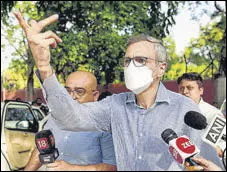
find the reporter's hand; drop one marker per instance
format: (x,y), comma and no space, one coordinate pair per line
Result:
(204,165)
(40,42)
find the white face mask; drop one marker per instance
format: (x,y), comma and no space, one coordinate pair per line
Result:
(137,79)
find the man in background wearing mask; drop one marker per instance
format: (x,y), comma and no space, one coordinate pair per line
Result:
(136,119)
(79,151)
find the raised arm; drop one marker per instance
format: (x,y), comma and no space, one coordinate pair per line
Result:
(40,42)
(69,114)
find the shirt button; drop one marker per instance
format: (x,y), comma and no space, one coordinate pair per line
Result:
(140,157)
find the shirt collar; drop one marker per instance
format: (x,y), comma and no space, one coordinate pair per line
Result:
(131,98)
(201,100)
(162,95)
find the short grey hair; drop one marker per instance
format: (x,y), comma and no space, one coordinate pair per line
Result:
(160,49)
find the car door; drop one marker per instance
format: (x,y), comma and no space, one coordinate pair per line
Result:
(40,116)
(18,133)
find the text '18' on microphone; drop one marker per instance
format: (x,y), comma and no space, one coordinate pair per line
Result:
(181,148)
(45,144)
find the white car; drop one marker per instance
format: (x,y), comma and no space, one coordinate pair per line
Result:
(20,121)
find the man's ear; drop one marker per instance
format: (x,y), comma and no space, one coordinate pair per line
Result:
(96,95)
(162,69)
(201,91)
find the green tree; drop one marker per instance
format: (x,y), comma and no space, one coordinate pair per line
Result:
(208,52)
(95,33)
(176,66)
(205,52)
(6,7)
(17,40)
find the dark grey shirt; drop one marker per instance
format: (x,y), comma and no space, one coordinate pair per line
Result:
(136,131)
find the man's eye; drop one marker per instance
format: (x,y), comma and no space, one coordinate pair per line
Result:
(140,60)
(127,60)
(79,91)
(190,88)
(181,89)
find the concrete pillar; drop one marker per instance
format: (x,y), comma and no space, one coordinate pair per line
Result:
(219,90)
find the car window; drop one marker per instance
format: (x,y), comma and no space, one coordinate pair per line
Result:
(38,114)
(20,117)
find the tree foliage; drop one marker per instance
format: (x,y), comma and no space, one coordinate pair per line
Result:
(16,38)
(6,7)
(205,54)
(95,33)
(209,50)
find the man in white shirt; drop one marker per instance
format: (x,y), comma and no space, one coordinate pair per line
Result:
(191,85)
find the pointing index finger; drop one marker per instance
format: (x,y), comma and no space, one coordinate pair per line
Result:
(21,20)
(45,22)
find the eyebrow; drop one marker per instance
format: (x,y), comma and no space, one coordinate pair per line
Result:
(76,88)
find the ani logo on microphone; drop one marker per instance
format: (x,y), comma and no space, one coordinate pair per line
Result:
(216,130)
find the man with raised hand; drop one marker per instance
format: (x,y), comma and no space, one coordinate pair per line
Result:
(136,119)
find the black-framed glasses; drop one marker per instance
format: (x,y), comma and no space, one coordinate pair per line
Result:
(138,61)
(77,91)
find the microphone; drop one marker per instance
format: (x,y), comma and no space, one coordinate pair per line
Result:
(181,148)
(195,120)
(215,133)
(45,144)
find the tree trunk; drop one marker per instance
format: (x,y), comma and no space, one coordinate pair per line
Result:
(186,64)
(109,76)
(30,81)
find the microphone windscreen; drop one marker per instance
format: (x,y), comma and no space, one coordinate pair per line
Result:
(45,142)
(168,135)
(195,120)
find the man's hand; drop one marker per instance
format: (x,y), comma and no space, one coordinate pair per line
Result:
(40,42)
(60,165)
(204,165)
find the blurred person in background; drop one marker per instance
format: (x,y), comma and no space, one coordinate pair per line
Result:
(191,85)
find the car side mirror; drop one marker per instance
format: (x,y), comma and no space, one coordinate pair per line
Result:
(22,125)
